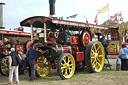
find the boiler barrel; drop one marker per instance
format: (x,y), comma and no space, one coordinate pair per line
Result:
(60,49)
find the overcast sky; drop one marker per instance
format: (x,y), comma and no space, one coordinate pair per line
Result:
(18,10)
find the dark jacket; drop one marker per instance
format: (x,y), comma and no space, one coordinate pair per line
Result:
(14,56)
(32,54)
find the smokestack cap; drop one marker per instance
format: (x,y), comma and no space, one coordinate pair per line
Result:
(2,3)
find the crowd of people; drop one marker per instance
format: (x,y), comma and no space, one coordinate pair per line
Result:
(122,60)
(15,60)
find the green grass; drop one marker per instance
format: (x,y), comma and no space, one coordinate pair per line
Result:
(81,77)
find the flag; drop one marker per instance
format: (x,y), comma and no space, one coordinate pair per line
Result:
(19,29)
(112,17)
(95,21)
(61,18)
(86,21)
(16,29)
(73,16)
(121,18)
(116,16)
(104,9)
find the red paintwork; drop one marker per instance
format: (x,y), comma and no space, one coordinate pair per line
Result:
(20,48)
(113,53)
(54,65)
(2,50)
(113,34)
(50,37)
(86,37)
(79,56)
(65,49)
(9,32)
(74,40)
(6,39)
(76,49)
(50,42)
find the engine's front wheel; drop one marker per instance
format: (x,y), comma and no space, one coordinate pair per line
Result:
(66,66)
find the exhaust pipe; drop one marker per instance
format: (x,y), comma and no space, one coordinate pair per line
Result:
(2,23)
(52,8)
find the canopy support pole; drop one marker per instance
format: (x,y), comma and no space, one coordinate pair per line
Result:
(79,30)
(45,37)
(31,33)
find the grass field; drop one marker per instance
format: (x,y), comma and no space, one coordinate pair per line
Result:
(105,77)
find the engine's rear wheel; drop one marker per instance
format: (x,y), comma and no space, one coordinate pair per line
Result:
(66,66)
(94,56)
(4,66)
(43,67)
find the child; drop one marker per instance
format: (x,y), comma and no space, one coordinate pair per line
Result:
(118,63)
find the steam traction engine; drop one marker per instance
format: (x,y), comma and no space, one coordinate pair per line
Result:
(18,40)
(69,45)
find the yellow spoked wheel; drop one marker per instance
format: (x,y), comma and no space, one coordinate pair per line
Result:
(43,67)
(66,66)
(4,66)
(94,56)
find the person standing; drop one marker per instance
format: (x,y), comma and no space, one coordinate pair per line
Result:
(27,56)
(104,43)
(13,66)
(118,63)
(32,56)
(124,57)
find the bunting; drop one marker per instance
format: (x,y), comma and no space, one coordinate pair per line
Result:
(72,16)
(116,16)
(95,21)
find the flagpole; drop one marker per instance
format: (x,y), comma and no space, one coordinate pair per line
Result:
(108,10)
(108,14)
(85,18)
(97,19)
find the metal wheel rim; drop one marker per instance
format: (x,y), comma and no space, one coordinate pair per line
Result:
(5,66)
(67,66)
(97,57)
(43,67)
(86,38)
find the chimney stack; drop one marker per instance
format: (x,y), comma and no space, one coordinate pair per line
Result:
(2,16)
(52,8)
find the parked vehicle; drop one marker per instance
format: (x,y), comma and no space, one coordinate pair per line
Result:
(70,46)
(16,39)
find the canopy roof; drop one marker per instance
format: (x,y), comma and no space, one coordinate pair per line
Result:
(111,24)
(37,21)
(10,32)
